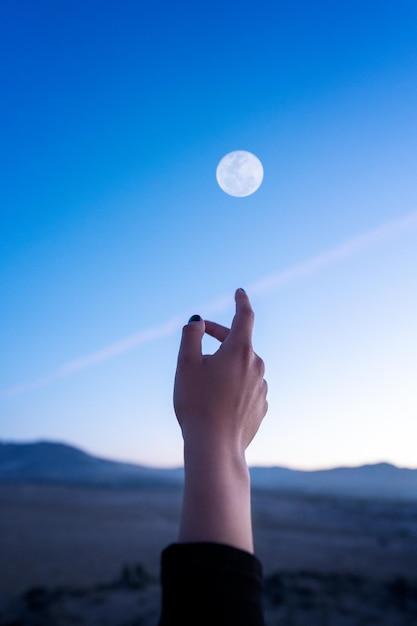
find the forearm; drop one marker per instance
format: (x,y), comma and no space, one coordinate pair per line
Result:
(216,503)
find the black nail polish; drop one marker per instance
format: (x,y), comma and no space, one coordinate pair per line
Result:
(194,318)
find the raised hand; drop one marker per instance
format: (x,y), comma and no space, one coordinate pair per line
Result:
(220,401)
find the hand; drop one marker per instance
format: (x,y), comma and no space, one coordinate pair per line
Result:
(220,399)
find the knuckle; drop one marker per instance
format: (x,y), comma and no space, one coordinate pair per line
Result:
(246,351)
(242,349)
(260,365)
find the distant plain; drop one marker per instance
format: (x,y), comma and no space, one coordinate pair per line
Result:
(88,553)
(73,535)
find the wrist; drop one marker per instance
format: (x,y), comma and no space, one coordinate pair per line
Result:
(212,454)
(216,505)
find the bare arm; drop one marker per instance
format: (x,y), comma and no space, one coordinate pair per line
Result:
(220,401)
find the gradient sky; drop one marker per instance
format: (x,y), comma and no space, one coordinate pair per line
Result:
(113,118)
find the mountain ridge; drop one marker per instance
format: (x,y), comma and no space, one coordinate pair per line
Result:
(57,462)
(50,461)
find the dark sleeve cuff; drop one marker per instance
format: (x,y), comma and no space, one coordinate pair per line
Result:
(210,583)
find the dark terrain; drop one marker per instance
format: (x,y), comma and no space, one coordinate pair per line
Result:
(81,546)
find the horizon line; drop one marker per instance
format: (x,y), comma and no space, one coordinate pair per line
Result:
(176,467)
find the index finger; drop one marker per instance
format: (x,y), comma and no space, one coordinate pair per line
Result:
(242,324)
(217,331)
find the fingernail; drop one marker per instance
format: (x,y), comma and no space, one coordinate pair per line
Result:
(194,318)
(241,289)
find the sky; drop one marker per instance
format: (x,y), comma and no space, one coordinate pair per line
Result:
(113,118)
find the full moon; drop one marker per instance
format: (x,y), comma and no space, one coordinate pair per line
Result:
(240,173)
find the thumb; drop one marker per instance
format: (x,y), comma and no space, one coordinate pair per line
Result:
(192,335)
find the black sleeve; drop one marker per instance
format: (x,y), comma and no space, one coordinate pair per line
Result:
(210,584)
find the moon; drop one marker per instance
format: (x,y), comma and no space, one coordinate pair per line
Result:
(239,173)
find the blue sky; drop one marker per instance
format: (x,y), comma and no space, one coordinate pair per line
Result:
(114,231)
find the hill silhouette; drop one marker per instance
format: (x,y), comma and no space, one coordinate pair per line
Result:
(46,461)
(55,462)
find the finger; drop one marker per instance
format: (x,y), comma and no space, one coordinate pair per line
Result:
(190,346)
(216,330)
(242,325)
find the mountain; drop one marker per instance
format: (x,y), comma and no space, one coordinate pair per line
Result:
(381,480)
(46,461)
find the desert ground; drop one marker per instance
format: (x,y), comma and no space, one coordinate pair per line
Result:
(90,555)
